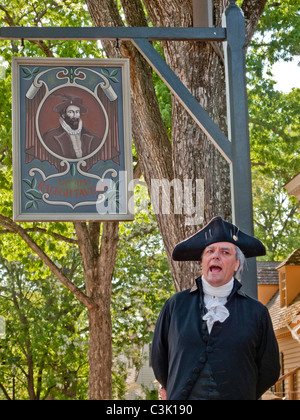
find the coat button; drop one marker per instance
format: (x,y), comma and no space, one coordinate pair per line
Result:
(202,360)
(196,370)
(184,393)
(209,349)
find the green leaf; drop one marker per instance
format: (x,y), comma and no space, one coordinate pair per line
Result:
(26,71)
(27,182)
(113,79)
(114,72)
(35,70)
(33,183)
(29,77)
(29,196)
(29,204)
(73,169)
(35,193)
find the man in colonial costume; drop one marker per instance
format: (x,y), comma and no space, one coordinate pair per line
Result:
(213,342)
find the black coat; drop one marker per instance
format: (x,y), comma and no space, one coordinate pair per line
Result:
(242,351)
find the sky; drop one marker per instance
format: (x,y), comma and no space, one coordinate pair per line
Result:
(287,75)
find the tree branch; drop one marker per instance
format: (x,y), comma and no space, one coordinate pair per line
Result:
(44,47)
(15,228)
(289,216)
(85,246)
(94,235)
(39,16)
(253,10)
(137,171)
(8,19)
(4,391)
(44,232)
(270,128)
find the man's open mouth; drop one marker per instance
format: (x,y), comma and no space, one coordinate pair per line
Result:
(215,269)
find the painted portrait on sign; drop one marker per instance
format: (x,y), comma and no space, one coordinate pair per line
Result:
(72,138)
(69,136)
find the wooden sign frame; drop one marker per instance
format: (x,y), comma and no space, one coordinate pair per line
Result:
(72,144)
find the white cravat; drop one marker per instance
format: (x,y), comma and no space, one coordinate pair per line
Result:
(215,298)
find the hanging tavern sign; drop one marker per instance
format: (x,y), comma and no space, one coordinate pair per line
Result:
(71,139)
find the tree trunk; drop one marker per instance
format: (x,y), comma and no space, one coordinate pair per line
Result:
(98,265)
(200,67)
(27,349)
(190,155)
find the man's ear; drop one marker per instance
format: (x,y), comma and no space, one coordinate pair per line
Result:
(237,266)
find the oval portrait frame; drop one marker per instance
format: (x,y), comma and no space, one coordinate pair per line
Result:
(89,99)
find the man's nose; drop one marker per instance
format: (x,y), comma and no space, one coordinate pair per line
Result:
(216,255)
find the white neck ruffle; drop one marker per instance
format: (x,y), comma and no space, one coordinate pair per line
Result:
(68,129)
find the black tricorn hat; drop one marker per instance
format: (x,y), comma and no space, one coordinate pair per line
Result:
(217,230)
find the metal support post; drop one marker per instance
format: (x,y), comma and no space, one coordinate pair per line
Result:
(238,130)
